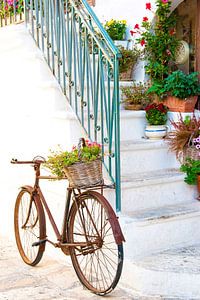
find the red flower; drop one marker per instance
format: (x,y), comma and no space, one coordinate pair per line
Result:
(165,1)
(148,6)
(172,31)
(142,42)
(137,26)
(145,19)
(132,32)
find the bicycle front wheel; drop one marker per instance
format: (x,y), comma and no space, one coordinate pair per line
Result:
(98,261)
(30,227)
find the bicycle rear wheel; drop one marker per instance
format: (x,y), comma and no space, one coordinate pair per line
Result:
(98,263)
(30,226)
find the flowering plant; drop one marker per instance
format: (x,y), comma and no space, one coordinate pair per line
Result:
(196,142)
(158,39)
(7,8)
(136,94)
(116,29)
(60,159)
(183,131)
(156,114)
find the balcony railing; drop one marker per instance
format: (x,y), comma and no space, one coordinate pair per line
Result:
(11,11)
(84,60)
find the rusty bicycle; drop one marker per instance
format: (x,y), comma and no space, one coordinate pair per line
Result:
(90,233)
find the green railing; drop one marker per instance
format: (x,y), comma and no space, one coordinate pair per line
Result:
(84,60)
(11,11)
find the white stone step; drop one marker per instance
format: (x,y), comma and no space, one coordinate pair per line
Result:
(132,124)
(171,274)
(155,189)
(146,155)
(153,230)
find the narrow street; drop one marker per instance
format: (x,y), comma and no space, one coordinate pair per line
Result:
(29,98)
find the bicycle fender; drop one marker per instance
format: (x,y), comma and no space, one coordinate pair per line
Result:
(118,235)
(27,187)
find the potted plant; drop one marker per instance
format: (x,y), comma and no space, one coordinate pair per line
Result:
(117,31)
(156,116)
(135,96)
(82,165)
(128,60)
(182,91)
(180,139)
(192,169)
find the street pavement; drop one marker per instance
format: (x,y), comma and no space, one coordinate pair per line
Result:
(51,279)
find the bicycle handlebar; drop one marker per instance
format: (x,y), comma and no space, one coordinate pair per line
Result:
(36,160)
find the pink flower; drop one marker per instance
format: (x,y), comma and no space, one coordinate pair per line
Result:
(165,1)
(145,19)
(148,6)
(142,42)
(137,26)
(168,52)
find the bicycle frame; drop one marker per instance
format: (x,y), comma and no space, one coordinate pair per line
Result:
(62,237)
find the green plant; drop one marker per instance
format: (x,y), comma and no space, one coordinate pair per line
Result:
(128,59)
(182,85)
(183,131)
(58,159)
(158,39)
(116,29)
(192,168)
(156,114)
(136,94)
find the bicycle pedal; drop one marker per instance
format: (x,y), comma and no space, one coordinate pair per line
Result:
(39,243)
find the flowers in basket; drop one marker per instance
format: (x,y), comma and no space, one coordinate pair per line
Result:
(82,165)
(156,114)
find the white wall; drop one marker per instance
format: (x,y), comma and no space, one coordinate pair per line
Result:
(131,10)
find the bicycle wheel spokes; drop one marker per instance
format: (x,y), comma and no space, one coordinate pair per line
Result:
(98,265)
(29,218)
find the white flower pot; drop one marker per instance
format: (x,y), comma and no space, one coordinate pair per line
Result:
(155,132)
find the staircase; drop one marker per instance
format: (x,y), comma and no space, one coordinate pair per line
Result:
(160,216)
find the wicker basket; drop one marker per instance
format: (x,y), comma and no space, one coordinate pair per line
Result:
(191,152)
(85,174)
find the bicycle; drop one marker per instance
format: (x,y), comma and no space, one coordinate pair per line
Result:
(90,233)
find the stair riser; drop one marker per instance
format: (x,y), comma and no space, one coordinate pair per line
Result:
(152,238)
(161,285)
(156,195)
(132,128)
(148,159)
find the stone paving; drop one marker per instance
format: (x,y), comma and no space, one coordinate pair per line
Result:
(51,279)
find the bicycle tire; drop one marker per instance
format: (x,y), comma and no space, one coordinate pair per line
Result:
(98,266)
(30,226)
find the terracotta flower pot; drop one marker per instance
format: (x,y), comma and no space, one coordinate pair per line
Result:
(126,76)
(133,106)
(181,105)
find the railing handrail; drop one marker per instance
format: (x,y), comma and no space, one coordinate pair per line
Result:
(84,60)
(104,33)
